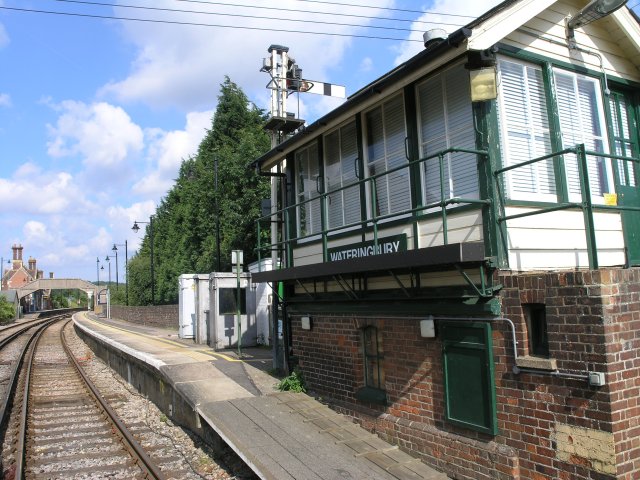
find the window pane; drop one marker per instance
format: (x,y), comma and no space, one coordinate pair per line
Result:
(341,151)
(386,134)
(228,301)
(446,121)
(524,132)
(308,171)
(581,121)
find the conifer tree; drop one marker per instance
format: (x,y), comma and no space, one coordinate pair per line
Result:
(185,239)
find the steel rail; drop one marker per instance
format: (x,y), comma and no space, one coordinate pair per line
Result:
(22,431)
(143,460)
(13,380)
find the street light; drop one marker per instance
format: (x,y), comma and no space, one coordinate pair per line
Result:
(108,260)
(126,268)
(98,270)
(135,228)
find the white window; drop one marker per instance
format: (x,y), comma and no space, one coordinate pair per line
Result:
(582,121)
(446,121)
(524,132)
(386,133)
(307,173)
(341,156)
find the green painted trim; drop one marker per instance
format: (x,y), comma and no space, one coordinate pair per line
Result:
(411,119)
(363,193)
(488,138)
(562,188)
(529,203)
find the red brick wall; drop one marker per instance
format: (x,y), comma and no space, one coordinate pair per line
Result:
(594,325)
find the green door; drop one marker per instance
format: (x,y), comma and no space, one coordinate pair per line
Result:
(627,178)
(469,389)
(630,197)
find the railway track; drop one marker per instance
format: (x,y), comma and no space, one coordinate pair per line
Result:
(57,427)
(63,429)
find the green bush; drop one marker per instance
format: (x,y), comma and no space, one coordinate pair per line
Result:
(293,383)
(7,310)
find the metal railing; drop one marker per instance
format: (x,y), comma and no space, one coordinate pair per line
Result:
(585,204)
(288,215)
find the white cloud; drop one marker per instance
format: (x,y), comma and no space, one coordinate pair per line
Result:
(183,65)
(32,191)
(103,135)
(167,150)
(5,99)
(366,65)
(36,233)
(428,21)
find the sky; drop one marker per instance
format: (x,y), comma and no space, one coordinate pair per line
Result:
(100,102)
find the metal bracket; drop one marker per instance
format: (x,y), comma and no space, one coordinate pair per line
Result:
(484,291)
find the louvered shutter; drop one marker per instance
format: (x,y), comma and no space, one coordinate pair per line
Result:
(446,121)
(341,151)
(581,121)
(524,132)
(385,150)
(307,168)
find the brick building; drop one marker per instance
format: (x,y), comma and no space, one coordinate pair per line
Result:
(19,275)
(459,245)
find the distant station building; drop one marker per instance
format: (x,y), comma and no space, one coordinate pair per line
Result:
(19,275)
(457,246)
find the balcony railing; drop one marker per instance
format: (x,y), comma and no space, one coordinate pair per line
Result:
(586,203)
(288,216)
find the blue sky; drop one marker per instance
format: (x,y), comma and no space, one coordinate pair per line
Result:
(97,114)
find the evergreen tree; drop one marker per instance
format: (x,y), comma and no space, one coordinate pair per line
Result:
(184,225)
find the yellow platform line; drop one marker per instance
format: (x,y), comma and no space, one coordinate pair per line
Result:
(177,345)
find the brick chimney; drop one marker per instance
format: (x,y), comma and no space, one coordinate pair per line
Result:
(17,256)
(50,274)
(32,265)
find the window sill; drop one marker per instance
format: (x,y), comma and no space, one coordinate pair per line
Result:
(372,395)
(539,363)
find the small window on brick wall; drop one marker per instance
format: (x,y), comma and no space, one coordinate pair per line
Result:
(373,355)
(536,317)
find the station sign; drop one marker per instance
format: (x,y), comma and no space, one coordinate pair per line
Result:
(386,245)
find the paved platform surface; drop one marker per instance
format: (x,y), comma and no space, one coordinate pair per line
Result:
(280,435)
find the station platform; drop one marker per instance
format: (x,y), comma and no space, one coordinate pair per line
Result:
(279,435)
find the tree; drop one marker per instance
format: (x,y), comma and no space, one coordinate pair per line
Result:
(185,235)
(7,310)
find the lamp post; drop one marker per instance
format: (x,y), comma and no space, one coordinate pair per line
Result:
(98,270)
(108,260)
(2,270)
(126,268)
(135,228)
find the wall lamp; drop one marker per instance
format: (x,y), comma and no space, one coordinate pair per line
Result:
(594,10)
(482,74)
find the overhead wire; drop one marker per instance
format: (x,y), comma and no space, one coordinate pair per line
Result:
(198,24)
(334,14)
(387,8)
(238,15)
